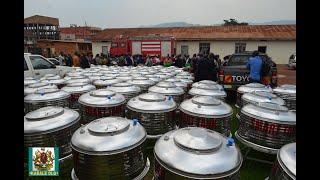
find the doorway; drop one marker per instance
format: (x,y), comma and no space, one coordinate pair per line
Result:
(184,51)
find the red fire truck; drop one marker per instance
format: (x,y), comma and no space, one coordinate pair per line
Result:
(154,44)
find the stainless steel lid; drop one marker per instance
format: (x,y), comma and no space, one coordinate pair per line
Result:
(151,103)
(49,119)
(166,88)
(188,81)
(185,77)
(109,82)
(141,81)
(287,159)
(74,74)
(163,75)
(53,80)
(78,80)
(36,86)
(206,106)
(270,112)
(204,82)
(208,90)
(101,98)
(74,77)
(124,77)
(93,78)
(124,88)
(172,80)
(248,88)
(107,136)
(78,88)
(181,84)
(28,81)
(193,152)
(46,94)
(286,89)
(262,96)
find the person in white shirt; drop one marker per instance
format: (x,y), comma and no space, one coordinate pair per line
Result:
(61,59)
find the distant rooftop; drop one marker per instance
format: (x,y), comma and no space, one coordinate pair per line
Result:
(37,19)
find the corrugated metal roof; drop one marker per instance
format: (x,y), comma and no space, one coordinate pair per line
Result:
(252,32)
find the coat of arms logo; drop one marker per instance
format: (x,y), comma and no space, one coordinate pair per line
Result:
(43,160)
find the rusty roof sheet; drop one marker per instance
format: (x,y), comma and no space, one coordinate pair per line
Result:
(37,19)
(252,32)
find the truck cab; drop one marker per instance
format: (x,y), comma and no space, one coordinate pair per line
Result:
(119,47)
(236,74)
(37,66)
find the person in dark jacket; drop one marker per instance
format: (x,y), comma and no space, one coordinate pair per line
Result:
(179,61)
(140,60)
(214,70)
(84,63)
(121,61)
(129,60)
(194,63)
(205,69)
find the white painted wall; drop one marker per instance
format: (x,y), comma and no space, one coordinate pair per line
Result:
(278,50)
(97,47)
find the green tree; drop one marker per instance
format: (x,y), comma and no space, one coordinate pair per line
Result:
(233,22)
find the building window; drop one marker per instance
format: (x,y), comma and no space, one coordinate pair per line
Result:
(262,49)
(123,44)
(114,45)
(240,47)
(105,49)
(204,48)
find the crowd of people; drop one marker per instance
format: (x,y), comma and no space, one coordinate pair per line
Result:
(204,66)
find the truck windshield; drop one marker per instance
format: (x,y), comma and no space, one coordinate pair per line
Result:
(239,60)
(123,44)
(114,45)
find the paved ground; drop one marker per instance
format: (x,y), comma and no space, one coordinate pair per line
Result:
(286,75)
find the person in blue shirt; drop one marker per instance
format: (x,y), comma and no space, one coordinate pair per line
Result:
(255,65)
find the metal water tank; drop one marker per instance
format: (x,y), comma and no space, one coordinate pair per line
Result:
(104,82)
(285,165)
(189,83)
(248,88)
(260,96)
(124,77)
(30,80)
(79,79)
(287,93)
(143,82)
(196,153)
(109,148)
(154,78)
(57,80)
(155,112)
(266,127)
(76,90)
(128,90)
(46,97)
(36,86)
(100,103)
(168,89)
(178,83)
(206,112)
(50,126)
(209,90)
(206,82)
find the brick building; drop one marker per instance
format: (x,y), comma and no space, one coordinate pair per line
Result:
(78,33)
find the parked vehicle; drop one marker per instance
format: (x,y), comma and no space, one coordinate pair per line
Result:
(37,66)
(54,61)
(292,61)
(235,73)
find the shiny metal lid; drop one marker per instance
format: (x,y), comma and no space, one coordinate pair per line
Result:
(54,81)
(141,81)
(195,153)
(262,96)
(163,76)
(166,88)
(208,90)
(206,106)
(46,94)
(124,88)
(101,98)
(78,80)
(109,82)
(124,77)
(49,119)
(287,159)
(74,77)
(270,112)
(185,77)
(181,84)
(248,88)
(151,103)
(28,81)
(78,88)
(286,89)
(74,74)
(93,78)
(204,82)
(188,81)
(36,86)
(172,80)
(107,136)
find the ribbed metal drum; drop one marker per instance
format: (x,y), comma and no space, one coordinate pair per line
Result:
(143,82)
(104,82)
(206,112)
(206,82)
(36,86)
(168,89)
(109,148)
(155,112)
(46,97)
(100,103)
(285,165)
(260,96)
(128,90)
(209,90)
(248,88)
(56,81)
(76,90)
(266,127)
(287,93)
(50,126)
(30,80)
(196,153)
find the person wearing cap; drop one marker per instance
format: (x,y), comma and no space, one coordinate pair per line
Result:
(255,65)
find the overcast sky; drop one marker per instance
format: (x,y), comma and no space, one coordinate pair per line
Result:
(134,13)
